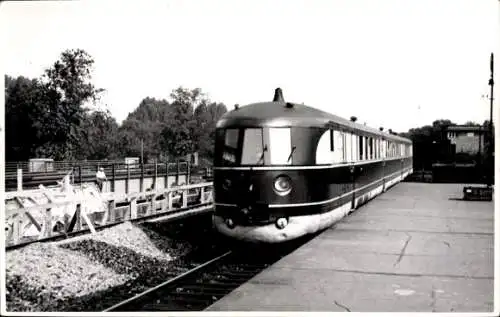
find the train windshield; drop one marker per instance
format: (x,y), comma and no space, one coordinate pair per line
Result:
(248,147)
(253,147)
(243,147)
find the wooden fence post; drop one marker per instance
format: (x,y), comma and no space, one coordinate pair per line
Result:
(156,175)
(16,228)
(127,180)
(166,175)
(113,182)
(170,200)
(111,211)
(153,205)
(80,174)
(202,195)
(19,179)
(133,208)
(178,172)
(185,194)
(141,182)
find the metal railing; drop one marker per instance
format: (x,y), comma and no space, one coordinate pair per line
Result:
(82,172)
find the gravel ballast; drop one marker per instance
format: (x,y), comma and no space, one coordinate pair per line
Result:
(96,271)
(47,272)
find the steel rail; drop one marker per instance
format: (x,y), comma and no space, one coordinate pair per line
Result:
(169,281)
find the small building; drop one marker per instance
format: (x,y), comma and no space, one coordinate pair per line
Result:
(467,139)
(41,165)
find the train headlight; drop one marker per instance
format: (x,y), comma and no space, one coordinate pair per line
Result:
(282,185)
(281,223)
(230,223)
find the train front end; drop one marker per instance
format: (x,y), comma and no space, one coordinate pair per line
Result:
(250,184)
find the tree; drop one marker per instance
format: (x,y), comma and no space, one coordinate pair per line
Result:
(206,117)
(68,92)
(99,137)
(24,104)
(145,123)
(179,135)
(430,144)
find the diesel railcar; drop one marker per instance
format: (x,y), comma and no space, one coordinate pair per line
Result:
(283,170)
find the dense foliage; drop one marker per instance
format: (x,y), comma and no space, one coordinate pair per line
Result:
(57,116)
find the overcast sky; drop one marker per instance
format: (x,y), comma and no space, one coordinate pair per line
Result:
(392,63)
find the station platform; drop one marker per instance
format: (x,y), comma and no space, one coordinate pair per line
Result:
(415,248)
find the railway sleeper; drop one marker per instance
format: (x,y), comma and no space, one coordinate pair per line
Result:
(168,299)
(211,289)
(199,290)
(198,295)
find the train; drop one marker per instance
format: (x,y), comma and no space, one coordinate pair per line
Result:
(284,170)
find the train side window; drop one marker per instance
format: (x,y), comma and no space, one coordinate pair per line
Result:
(231,138)
(347,147)
(379,153)
(360,148)
(280,146)
(366,147)
(354,147)
(377,148)
(338,152)
(371,148)
(332,141)
(229,154)
(326,148)
(367,153)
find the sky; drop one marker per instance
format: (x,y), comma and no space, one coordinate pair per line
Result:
(393,63)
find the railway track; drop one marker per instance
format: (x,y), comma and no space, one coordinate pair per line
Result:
(201,286)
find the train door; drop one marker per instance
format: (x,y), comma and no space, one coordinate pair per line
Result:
(384,156)
(354,159)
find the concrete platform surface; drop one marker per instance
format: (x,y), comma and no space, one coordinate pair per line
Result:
(415,248)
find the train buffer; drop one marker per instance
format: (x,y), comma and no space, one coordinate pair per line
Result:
(416,248)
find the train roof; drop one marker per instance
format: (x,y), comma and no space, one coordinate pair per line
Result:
(279,113)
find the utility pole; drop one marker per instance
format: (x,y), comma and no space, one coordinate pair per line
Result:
(142,151)
(490,147)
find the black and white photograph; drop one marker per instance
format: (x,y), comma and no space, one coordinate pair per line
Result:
(249,157)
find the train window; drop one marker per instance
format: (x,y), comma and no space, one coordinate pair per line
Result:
(338,153)
(231,139)
(346,138)
(325,148)
(354,147)
(379,152)
(332,141)
(370,146)
(280,146)
(230,147)
(365,140)
(361,148)
(253,148)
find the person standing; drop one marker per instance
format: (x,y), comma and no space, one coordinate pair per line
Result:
(100,178)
